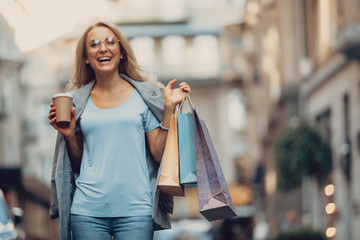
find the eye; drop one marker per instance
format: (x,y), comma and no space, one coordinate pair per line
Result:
(94,43)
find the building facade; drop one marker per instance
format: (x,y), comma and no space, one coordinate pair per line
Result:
(302,63)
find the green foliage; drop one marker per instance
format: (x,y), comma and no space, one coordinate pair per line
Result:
(301,234)
(301,152)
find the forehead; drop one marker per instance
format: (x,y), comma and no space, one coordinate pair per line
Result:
(99,33)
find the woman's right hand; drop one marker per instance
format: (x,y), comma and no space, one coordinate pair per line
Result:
(67,131)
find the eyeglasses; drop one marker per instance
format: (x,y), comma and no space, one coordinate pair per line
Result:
(110,42)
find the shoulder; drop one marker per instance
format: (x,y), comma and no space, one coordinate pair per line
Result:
(84,90)
(80,97)
(145,89)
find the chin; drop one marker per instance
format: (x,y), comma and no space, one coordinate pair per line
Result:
(106,70)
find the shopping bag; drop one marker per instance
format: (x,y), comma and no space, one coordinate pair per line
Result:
(213,194)
(186,147)
(169,182)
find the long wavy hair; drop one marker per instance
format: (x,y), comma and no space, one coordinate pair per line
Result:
(84,73)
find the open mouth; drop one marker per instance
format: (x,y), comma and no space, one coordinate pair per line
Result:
(104,59)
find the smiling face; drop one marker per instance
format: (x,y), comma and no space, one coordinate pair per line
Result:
(103,50)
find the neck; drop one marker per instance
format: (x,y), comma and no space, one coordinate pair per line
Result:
(108,82)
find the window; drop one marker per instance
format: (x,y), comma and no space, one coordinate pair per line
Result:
(321,29)
(8,93)
(236,110)
(9,156)
(323,124)
(171,10)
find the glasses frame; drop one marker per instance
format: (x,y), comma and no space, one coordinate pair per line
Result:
(102,42)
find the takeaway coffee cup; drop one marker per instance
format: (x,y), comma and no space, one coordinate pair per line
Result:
(63,106)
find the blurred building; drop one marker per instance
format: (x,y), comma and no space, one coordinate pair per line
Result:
(331,93)
(43,75)
(269,58)
(301,61)
(22,180)
(10,91)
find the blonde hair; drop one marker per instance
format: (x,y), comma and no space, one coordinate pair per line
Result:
(83,72)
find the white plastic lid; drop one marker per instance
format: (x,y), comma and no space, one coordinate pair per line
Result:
(67,94)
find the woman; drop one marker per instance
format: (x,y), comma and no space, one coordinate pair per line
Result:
(118,119)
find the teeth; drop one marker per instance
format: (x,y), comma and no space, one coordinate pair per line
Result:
(103,59)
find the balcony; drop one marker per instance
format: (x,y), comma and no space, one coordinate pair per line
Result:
(349,41)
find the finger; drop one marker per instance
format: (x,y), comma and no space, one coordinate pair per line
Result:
(52,110)
(171,83)
(186,89)
(51,104)
(184,86)
(73,118)
(51,115)
(52,121)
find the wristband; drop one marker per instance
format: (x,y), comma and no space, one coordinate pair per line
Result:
(163,128)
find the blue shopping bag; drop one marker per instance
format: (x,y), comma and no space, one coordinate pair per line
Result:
(186,146)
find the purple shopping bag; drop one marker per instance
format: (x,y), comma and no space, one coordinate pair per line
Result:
(214,198)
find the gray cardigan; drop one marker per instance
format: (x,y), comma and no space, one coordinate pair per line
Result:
(63,178)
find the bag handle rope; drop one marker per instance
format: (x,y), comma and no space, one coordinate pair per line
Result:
(187,99)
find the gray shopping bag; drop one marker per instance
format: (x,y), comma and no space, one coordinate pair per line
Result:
(214,198)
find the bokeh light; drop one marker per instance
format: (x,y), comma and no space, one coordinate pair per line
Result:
(329,189)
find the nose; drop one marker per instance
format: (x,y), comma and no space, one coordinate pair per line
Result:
(102,47)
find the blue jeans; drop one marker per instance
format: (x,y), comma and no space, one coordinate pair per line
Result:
(117,228)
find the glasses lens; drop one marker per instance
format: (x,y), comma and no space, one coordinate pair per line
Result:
(110,41)
(94,43)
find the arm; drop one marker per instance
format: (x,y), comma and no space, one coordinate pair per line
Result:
(74,140)
(157,137)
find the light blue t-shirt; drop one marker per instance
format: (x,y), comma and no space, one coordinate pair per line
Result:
(114,179)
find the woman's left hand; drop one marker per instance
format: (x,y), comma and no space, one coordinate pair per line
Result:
(172,97)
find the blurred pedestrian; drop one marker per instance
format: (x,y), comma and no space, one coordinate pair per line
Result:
(106,162)
(289,223)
